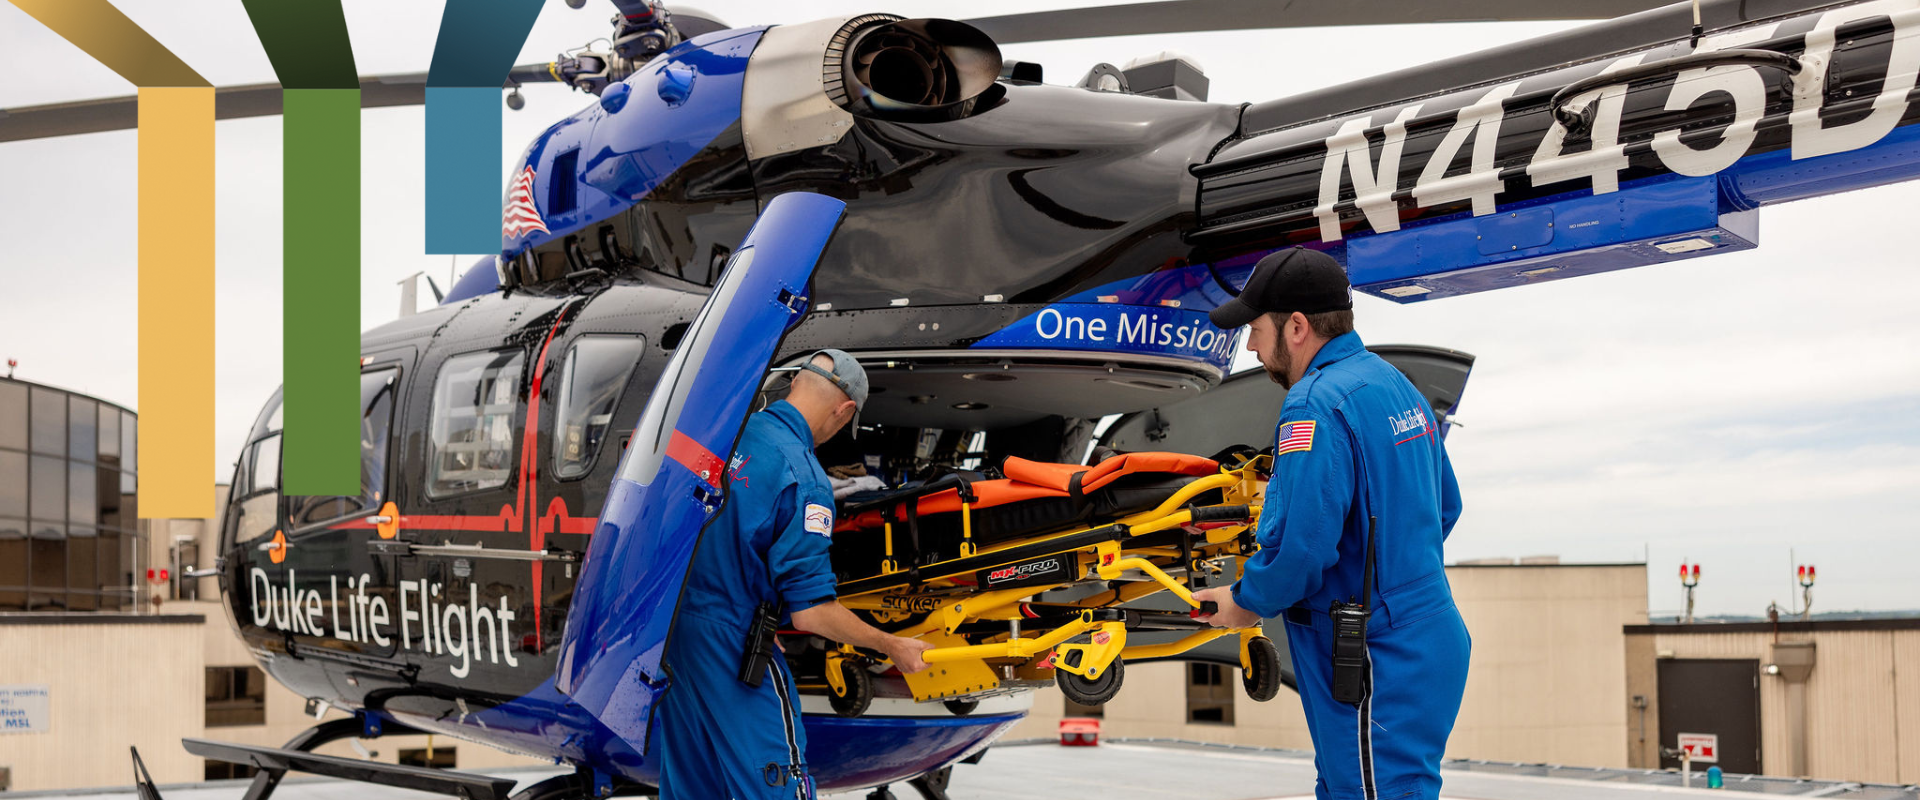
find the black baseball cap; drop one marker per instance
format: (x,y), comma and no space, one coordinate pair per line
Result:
(1296,279)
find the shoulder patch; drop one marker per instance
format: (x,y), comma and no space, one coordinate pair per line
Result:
(819,519)
(1294,437)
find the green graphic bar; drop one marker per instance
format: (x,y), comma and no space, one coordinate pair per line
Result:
(321,298)
(320,320)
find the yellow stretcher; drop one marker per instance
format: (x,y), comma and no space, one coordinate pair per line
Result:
(991,634)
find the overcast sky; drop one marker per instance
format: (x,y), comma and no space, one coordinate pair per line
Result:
(1723,410)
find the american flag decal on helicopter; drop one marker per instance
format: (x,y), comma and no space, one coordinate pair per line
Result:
(522,216)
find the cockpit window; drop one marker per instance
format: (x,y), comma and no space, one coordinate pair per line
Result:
(474,403)
(268,421)
(377,389)
(595,374)
(265,464)
(252,513)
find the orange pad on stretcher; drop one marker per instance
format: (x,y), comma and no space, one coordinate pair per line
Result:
(1033,480)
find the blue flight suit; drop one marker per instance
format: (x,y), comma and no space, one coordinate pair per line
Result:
(716,736)
(1312,536)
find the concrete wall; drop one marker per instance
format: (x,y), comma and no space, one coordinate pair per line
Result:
(1546,682)
(1643,724)
(1863,693)
(1548,674)
(115,681)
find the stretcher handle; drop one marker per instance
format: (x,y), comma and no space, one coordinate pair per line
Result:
(951,480)
(1207,608)
(1229,513)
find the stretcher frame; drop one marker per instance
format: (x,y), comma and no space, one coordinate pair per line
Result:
(1079,644)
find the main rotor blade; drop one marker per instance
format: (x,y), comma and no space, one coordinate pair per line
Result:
(1185,16)
(232,102)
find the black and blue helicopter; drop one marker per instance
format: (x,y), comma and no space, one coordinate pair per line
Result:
(1013,261)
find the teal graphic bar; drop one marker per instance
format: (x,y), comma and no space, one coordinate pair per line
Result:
(463,169)
(476,47)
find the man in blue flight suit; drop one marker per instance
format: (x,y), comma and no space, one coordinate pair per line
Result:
(717,736)
(1356,442)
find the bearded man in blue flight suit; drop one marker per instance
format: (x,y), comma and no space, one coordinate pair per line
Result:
(1355,442)
(718,737)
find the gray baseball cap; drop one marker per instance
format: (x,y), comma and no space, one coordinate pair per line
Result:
(847,375)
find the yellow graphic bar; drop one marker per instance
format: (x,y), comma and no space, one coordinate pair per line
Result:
(176,302)
(100,30)
(175,250)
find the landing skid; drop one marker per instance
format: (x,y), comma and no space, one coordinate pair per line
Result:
(142,782)
(931,786)
(579,786)
(273,763)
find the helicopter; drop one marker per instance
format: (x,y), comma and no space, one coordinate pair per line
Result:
(1012,260)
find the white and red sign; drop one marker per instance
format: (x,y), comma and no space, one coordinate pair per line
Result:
(1704,747)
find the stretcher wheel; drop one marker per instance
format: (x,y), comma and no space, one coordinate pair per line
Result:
(1262,680)
(1096,691)
(961,706)
(859,692)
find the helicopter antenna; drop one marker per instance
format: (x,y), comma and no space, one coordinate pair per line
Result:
(410,293)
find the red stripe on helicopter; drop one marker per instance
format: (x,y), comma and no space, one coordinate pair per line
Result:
(512,518)
(556,520)
(507,521)
(696,458)
(530,464)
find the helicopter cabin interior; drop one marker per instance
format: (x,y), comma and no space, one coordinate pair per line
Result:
(930,414)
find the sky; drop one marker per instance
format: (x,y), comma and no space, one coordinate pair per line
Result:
(1740,411)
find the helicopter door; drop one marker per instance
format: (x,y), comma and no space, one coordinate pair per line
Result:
(1245,408)
(671,480)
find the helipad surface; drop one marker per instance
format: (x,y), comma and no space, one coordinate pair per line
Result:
(1158,770)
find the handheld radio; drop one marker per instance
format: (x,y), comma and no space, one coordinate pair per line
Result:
(1352,667)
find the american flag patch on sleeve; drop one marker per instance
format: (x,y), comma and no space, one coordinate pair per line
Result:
(1295,437)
